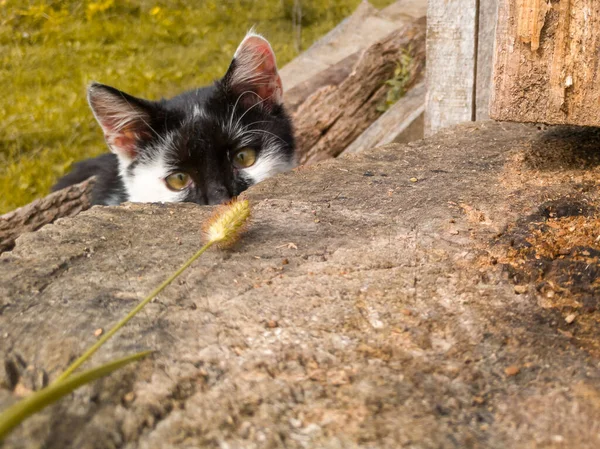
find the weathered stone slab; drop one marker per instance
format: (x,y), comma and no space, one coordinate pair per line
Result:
(361,309)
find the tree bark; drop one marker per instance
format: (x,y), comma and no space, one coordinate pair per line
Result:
(334,116)
(331,76)
(64,203)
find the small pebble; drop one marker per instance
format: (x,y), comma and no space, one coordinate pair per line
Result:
(272,324)
(520,289)
(478,400)
(413,179)
(512,370)
(129,397)
(98,332)
(285,262)
(21,390)
(454,232)
(570,318)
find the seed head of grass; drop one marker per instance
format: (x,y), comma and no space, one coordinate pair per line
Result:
(227,223)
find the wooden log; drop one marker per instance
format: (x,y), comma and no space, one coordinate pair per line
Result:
(392,125)
(546,62)
(360,30)
(330,49)
(334,116)
(64,203)
(331,76)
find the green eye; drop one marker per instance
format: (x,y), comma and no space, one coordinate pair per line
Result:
(178,181)
(244,158)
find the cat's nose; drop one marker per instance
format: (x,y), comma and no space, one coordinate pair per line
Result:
(218,195)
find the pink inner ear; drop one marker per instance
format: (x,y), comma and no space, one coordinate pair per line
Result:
(125,141)
(123,121)
(257,70)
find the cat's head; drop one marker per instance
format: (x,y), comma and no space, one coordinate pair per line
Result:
(204,146)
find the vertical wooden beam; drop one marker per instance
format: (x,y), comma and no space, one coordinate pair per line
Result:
(451,63)
(488,16)
(546,64)
(460,49)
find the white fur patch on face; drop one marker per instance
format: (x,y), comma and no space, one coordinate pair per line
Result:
(265,167)
(269,163)
(146,182)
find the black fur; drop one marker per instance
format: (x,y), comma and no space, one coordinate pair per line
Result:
(196,132)
(108,183)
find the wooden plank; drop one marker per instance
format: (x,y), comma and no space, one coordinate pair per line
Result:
(451,47)
(486,34)
(362,29)
(546,62)
(394,123)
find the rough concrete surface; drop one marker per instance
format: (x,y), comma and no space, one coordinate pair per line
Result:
(401,297)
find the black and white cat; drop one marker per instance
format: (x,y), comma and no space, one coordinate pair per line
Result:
(203,146)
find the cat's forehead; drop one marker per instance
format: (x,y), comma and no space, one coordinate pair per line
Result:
(228,124)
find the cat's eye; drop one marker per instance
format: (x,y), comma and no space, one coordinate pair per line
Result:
(178,180)
(244,158)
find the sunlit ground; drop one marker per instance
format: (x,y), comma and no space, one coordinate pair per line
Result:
(50,51)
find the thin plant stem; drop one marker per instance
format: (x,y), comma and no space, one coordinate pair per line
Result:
(130,315)
(35,402)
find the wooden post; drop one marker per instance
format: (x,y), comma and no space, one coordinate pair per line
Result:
(546,62)
(451,53)
(460,39)
(486,34)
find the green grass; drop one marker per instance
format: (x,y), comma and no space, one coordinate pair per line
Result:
(50,50)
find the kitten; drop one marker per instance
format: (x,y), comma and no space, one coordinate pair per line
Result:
(203,146)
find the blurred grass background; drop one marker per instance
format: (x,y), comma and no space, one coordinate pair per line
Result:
(50,50)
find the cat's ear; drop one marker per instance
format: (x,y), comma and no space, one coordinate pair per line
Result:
(124,119)
(252,75)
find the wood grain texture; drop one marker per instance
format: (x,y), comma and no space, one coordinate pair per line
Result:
(546,62)
(331,76)
(334,116)
(64,203)
(362,29)
(486,34)
(451,47)
(393,123)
